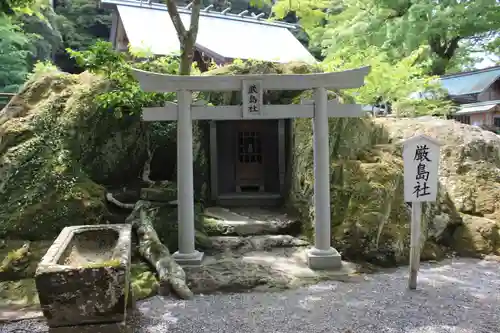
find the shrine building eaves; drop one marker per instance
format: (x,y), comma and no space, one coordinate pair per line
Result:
(222,36)
(244,16)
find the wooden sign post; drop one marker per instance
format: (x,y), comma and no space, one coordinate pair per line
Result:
(421,164)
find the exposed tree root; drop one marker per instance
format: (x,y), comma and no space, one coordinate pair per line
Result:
(113,200)
(171,275)
(146,170)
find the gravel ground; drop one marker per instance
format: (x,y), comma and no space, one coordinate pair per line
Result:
(462,296)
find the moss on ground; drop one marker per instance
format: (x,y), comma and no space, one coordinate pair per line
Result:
(26,268)
(144,281)
(18,294)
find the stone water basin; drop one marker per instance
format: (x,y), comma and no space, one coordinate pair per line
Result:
(84,278)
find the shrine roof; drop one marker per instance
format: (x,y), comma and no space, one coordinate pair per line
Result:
(472,82)
(221,35)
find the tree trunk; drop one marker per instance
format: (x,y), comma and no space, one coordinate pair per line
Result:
(170,274)
(443,50)
(187,38)
(187,54)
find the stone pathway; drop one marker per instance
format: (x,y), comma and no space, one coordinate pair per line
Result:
(254,251)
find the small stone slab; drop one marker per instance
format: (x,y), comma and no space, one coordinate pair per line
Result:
(244,225)
(158,195)
(238,244)
(267,242)
(81,284)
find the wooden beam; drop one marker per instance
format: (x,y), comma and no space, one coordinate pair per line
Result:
(155,82)
(234,112)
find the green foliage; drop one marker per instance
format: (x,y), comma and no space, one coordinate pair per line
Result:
(125,95)
(311,12)
(494,46)
(83,23)
(42,68)
(43,32)
(389,81)
(13,55)
(10,7)
(28,34)
(444,28)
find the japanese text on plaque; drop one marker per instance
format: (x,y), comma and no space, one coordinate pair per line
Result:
(253,99)
(421,188)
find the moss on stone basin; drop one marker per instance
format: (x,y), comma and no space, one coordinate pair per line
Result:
(84,278)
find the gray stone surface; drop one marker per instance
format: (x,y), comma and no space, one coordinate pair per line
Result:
(455,297)
(269,269)
(192,259)
(244,244)
(84,277)
(324,260)
(159,194)
(251,221)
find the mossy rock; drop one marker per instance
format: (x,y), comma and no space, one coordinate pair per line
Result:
(258,67)
(469,173)
(477,236)
(370,220)
(56,147)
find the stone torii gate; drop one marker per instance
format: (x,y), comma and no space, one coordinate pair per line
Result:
(322,255)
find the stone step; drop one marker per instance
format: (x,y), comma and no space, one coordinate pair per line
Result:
(246,222)
(244,244)
(275,269)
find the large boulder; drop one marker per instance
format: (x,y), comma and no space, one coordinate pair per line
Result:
(57,149)
(370,220)
(55,145)
(470,177)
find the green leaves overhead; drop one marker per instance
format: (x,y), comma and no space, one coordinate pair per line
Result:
(399,27)
(444,26)
(311,12)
